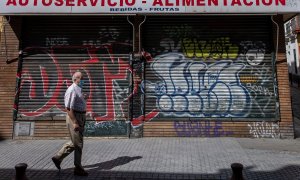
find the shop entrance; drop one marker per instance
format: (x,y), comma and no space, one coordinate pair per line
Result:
(53,49)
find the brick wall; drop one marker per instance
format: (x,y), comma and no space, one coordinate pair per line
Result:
(286,123)
(8,69)
(212,129)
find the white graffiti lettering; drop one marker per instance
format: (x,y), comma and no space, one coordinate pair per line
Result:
(57,42)
(264,130)
(197,89)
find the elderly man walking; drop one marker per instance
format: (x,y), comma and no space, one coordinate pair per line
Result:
(75,105)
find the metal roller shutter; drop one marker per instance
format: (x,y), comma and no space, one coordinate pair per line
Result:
(54,47)
(210,68)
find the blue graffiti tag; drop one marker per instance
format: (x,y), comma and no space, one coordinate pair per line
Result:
(200,129)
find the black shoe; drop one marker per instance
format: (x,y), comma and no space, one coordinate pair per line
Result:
(56,162)
(80,172)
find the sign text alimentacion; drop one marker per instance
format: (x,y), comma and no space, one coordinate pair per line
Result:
(155,3)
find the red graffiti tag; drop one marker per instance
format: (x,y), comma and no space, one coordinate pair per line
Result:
(54,81)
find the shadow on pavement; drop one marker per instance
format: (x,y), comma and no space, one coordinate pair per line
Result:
(1,138)
(108,165)
(291,172)
(113,163)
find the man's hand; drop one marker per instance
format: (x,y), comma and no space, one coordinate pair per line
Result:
(76,127)
(73,119)
(85,96)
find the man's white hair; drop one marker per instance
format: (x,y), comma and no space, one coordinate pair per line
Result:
(76,75)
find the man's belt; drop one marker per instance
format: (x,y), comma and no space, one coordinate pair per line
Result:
(79,112)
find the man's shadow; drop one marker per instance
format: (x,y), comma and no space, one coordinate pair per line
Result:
(112,163)
(107,165)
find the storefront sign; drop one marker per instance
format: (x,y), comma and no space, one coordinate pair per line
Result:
(147,6)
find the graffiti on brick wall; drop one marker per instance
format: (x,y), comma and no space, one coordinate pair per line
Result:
(264,129)
(105,128)
(200,129)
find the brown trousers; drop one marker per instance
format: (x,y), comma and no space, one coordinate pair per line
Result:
(76,142)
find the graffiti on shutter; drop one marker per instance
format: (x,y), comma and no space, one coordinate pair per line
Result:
(209,77)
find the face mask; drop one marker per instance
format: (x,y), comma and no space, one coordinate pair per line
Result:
(81,83)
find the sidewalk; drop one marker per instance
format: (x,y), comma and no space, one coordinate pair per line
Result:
(158,158)
(162,158)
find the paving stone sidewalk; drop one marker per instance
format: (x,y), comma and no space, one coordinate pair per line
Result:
(158,158)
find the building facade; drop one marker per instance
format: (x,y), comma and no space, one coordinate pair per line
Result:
(292,28)
(173,75)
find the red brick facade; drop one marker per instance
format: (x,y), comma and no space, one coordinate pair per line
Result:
(56,128)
